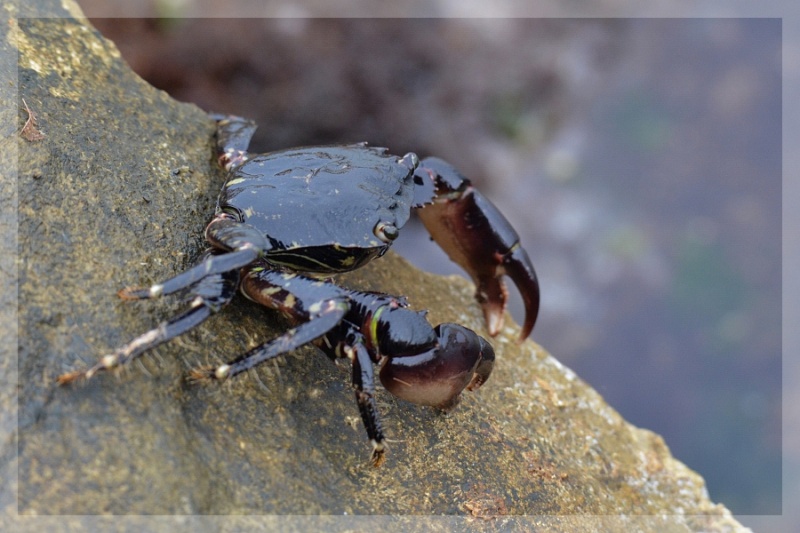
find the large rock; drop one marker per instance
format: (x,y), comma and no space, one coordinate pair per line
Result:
(115,183)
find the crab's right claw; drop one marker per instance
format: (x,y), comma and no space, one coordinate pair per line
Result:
(477,236)
(492,293)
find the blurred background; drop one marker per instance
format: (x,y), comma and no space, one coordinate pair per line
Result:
(640,160)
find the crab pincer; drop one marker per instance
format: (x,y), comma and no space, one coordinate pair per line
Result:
(476,235)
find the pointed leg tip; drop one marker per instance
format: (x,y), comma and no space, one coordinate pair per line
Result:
(129,293)
(70,377)
(124,293)
(202,375)
(140,293)
(378,456)
(208,373)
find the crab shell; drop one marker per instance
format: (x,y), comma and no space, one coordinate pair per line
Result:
(319,207)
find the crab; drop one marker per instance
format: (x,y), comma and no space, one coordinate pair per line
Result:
(288,220)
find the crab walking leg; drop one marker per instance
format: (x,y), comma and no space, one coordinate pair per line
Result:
(330,315)
(316,307)
(243,244)
(210,296)
(319,308)
(473,232)
(233,138)
(165,331)
(213,266)
(364,383)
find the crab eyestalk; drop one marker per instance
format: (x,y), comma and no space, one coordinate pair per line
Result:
(473,232)
(460,360)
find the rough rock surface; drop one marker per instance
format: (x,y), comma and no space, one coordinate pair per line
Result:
(115,183)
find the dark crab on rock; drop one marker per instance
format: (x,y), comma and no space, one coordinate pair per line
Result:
(287,219)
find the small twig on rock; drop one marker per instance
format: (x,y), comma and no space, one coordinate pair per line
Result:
(30,131)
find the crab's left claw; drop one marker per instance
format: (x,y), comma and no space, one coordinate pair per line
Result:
(461,359)
(478,237)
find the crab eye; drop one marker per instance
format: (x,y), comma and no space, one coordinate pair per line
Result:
(386,232)
(409,160)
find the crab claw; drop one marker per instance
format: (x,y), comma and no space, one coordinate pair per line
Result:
(460,360)
(473,232)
